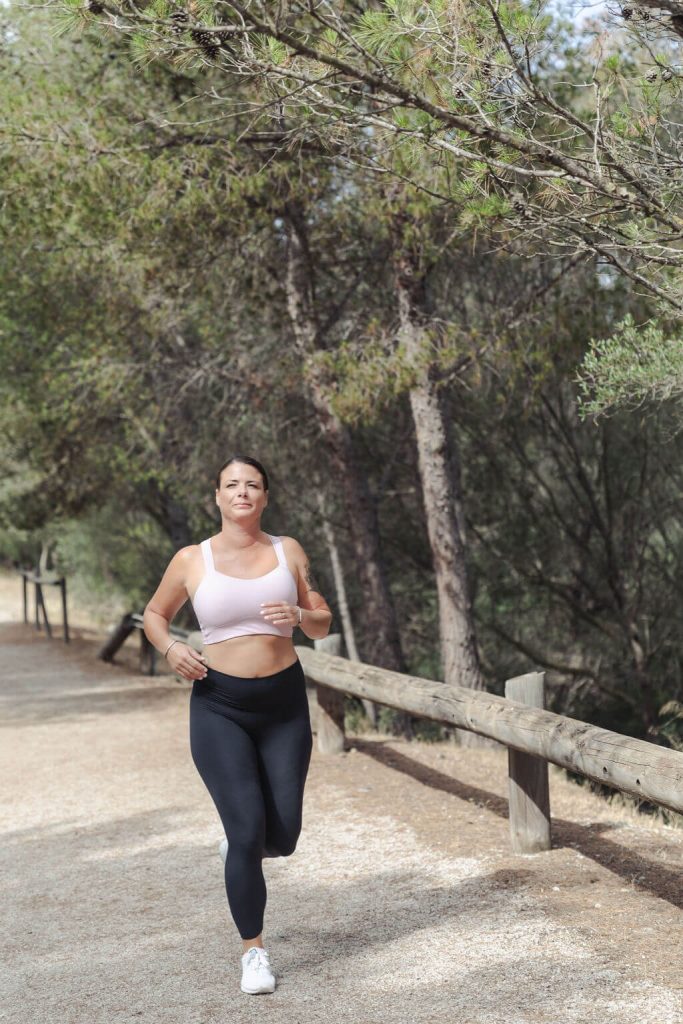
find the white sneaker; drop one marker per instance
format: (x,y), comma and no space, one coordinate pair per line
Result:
(256,973)
(223,849)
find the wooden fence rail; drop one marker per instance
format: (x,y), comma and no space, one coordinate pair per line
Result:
(148,653)
(532,735)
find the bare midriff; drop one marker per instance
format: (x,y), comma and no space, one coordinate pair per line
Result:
(252,656)
(256,655)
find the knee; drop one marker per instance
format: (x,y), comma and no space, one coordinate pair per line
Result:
(286,845)
(244,848)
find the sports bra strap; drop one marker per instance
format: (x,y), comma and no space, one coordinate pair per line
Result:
(208,557)
(279,550)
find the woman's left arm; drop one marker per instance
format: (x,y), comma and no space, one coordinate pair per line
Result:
(316,614)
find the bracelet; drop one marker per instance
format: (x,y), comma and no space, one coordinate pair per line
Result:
(169,647)
(301,615)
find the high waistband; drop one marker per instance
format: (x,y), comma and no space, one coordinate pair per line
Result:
(283,673)
(281,690)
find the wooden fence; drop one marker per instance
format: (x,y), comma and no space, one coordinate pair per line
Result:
(132,621)
(532,735)
(40,580)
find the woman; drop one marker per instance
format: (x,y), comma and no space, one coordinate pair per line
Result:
(250,729)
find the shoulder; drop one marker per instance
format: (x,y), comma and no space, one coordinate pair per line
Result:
(186,554)
(184,557)
(295,554)
(292,546)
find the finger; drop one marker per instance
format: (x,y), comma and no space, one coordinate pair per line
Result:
(194,669)
(276,608)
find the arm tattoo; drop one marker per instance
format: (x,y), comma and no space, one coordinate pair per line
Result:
(311,583)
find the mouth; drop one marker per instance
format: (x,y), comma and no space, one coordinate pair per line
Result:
(242,504)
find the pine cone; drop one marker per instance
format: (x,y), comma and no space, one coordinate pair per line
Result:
(179,21)
(224,38)
(206,42)
(519,205)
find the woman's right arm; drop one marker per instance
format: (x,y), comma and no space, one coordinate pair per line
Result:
(161,609)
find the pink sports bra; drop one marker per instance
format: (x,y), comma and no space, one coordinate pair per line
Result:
(228,606)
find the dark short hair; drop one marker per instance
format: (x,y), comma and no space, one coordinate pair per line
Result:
(249,462)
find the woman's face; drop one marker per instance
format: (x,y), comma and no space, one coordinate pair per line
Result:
(241,496)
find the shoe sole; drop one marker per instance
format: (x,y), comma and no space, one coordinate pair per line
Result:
(257,991)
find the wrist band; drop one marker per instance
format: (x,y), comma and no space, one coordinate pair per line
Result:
(301,614)
(169,647)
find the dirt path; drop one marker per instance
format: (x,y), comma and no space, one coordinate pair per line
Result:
(402,902)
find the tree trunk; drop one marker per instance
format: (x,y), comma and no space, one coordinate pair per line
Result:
(348,632)
(382,644)
(170,514)
(439,467)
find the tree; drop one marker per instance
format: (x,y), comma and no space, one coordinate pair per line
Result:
(498,87)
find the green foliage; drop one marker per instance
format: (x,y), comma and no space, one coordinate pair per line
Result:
(161,8)
(72,17)
(364,378)
(144,325)
(478,212)
(269,49)
(205,11)
(365,375)
(378,32)
(635,362)
(332,40)
(112,577)
(141,52)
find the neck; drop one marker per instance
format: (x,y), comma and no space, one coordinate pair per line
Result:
(238,535)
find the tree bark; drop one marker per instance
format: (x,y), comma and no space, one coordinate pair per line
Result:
(439,468)
(348,631)
(170,514)
(382,645)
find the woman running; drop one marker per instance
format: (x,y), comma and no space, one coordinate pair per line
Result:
(250,728)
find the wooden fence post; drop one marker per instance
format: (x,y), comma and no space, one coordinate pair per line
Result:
(65,617)
(148,655)
(122,631)
(529,797)
(328,706)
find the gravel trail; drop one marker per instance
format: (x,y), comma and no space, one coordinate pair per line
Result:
(402,902)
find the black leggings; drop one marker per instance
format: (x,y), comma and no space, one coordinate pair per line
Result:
(251,742)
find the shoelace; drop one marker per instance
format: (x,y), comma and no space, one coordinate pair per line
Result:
(258,958)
